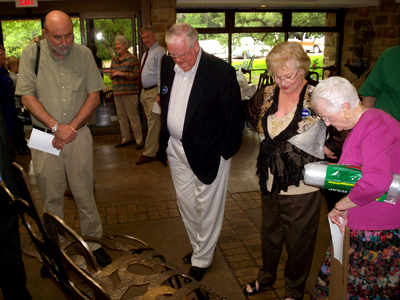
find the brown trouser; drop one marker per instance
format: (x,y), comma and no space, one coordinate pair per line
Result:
(293,220)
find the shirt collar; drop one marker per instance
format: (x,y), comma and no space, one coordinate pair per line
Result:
(152,47)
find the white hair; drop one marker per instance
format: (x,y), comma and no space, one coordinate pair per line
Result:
(182,30)
(335,91)
(124,40)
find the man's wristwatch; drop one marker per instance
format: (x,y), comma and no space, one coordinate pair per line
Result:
(55,127)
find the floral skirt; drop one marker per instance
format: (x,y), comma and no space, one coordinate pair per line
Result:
(374,266)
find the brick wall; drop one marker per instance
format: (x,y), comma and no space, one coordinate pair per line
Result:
(385,20)
(163,15)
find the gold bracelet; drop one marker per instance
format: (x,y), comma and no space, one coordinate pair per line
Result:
(341,210)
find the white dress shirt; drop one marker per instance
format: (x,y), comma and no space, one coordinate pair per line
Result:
(180,92)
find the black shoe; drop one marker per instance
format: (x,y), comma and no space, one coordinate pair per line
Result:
(144,160)
(197,273)
(253,287)
(187,259)
(103,259)
(140,146)
(44,272)
(128,143)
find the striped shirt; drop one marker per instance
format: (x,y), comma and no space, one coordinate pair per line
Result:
(129,84)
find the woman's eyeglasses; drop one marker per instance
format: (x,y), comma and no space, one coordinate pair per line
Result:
(326,118)
(285,78)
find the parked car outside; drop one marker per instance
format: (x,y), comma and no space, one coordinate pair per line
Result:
(248,48)
(309,42)
(214,47)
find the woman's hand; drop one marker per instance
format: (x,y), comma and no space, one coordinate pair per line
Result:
(340,211)
(329,154)
(335,216)
(115,73)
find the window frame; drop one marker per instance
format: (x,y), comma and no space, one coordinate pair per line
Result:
(285,28)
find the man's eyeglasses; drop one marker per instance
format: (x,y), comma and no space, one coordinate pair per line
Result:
(326,118)
(286,78)
(180,56)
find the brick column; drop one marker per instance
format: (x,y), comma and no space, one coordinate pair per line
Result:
(163,15)
(385,20)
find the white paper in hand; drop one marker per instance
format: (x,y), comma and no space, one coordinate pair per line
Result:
(42,141)
(156,108)
(337,240)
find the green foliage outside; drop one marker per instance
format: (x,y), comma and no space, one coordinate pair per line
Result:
(18,34)
(108,29)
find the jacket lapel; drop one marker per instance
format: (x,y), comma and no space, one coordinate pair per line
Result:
(198,89)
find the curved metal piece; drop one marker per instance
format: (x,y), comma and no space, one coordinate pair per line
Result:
(111,236)
(158,291)
(78,282)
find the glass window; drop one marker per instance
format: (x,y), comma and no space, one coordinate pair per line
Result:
(76,23)
(202,20)
(308,19)
(105,31)
(18,34)
(249,51)
(320,47)
(216,44)
(258,19)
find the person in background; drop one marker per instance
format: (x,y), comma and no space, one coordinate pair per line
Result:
(202,127)
(381,89)
(150,77)
(291,135)
(124,73)
(374,145)
(20,144)
(12,271)
(61,98)
(7,102)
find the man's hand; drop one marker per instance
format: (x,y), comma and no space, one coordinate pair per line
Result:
(58,143)
(65,133)
(158,100)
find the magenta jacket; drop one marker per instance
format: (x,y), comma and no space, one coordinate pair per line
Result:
(373,144)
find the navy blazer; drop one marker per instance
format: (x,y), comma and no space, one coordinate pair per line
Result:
(214,119)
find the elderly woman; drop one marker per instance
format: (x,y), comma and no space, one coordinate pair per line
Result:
(124,74)
(373,144)
(291,135)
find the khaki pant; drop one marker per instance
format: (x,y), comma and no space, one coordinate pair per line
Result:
(127,111)
(201,205)
(75,164)
(147,98)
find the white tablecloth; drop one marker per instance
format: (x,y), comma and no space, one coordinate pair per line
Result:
(247,90)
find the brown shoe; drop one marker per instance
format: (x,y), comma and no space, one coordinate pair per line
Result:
(144,160)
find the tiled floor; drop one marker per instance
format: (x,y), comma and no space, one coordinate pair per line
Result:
(140,201)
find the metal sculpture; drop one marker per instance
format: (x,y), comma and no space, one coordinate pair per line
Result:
(75,269)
